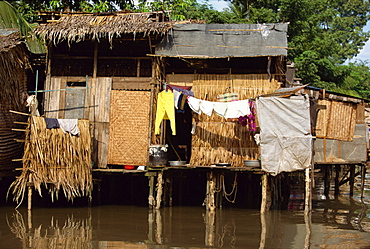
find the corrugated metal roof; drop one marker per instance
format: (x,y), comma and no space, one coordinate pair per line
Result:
(225,40)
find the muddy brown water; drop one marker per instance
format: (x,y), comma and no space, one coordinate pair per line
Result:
(335,222)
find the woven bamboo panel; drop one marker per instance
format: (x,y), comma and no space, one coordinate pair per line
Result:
(337,121)
(129,127)
(217,140)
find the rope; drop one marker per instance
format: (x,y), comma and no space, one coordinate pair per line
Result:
(234,189)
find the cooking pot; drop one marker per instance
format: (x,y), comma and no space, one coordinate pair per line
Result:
(177,163)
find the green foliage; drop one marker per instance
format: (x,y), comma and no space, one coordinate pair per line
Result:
(10,18)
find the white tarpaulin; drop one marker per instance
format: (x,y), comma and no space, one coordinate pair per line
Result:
(286,140)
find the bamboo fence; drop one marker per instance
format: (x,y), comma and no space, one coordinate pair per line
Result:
(216,139)
(56,160)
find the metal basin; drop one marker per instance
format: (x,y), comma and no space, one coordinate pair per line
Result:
(252,163)
(177,163)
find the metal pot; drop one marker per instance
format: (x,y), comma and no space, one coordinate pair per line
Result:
(252,163)
(177,163)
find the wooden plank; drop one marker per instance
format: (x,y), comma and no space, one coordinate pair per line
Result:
(62,101)
(360,113)
(101,132)
(102,99)
(180,79)
(131,86)
(75,79)
(131,79)
(53,98)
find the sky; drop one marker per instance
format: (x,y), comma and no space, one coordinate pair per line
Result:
(363,55)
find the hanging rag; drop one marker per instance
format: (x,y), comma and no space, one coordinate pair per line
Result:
(220,108)
(235,109)
(51,123)
(182,102)
(176,95)
(165,110)
(32,104)
(184,89)
(194,104)
(69,125)
(206,107)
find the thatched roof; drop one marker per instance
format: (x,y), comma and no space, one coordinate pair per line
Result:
(12,51)
(9,38)
(78,27)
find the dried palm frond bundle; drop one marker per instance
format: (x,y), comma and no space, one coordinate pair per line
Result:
(56,160)
(216,139)
(73,234)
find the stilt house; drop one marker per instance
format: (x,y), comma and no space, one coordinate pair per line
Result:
(110,68)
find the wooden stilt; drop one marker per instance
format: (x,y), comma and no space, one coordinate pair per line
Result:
(336,181)
(159,189)
(308,206)
(29,206)
(363,176)
(212,187)
(170,191)
(308,201)
(266,194)
(351,179)
(151,200)
(326,180)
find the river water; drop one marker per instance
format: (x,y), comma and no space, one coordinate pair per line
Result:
(335,222)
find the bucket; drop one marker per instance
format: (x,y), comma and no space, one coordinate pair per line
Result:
(157,155)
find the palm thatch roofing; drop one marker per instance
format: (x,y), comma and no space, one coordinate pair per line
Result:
(78,27)
(12,52)
(13,88)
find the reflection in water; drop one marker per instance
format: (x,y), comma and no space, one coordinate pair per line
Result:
(73,234)
(335,222)
(181,227)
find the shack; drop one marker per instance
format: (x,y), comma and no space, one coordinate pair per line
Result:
(14,62)
(109,69)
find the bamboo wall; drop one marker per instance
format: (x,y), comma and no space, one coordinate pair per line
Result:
(129,127)
(217,140)
(337,121)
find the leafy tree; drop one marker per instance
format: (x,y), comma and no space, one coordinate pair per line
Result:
(10,18)
(324,34)
(29,8)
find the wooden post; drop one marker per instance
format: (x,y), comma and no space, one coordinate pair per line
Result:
(363,176)
(308,201)
(308,207)
(351,179)
(210,199)
(266,194)
(159,189)
(336,181)
(29,206)
(151,199)
(326,180)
